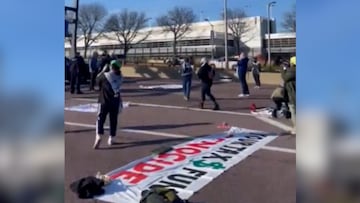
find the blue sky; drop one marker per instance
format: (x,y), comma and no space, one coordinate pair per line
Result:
(204,8)
(32,38)
(327,51)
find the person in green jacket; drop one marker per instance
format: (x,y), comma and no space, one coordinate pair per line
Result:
(289,77)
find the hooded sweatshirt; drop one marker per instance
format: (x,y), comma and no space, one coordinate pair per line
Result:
(204,73)
(110,85)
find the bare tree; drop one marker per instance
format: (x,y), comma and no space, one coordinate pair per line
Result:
(237,26)
(178,21)
(91,17)
(126,26)
(289,22)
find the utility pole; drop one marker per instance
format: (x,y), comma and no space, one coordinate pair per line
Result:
(226,35)
(268,29)
(211,38)
(74,33)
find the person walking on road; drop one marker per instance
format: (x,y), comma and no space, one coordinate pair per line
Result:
(93,69)
(206,75)
(186,73)
(241,72)
(110,101)
(255,69)
(289,77)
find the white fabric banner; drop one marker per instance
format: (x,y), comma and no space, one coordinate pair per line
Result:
(187,167)
(91,108)
(266,112)
(170,87)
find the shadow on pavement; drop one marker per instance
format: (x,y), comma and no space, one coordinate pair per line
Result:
(80,131)
(120,145)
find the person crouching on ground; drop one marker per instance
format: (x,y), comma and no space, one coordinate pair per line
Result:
(281,103)
(241,71)
(186,73)
(255,69)
(206,75)
(289,77)
(110,101)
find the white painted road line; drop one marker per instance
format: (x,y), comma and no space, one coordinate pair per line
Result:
(279,149)
(264,119)
(162,134)
(145,132)
(176,107)
(274,123)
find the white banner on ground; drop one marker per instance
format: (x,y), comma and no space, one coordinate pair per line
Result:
(187,167)
(266,112)
(169,87)
(92,108)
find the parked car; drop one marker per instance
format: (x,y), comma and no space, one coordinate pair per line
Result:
(174,61)
(220,63)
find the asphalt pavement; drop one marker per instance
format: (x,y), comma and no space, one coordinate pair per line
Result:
(268,175)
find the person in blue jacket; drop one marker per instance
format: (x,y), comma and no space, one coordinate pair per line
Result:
(186,73)
(241,72)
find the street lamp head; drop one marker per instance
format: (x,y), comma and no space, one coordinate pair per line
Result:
(272,3)
(206,19)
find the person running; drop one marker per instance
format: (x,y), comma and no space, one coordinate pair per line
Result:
(241,72)
(186,74)
(206,75)
(93,69)
(109,100)
(255,69)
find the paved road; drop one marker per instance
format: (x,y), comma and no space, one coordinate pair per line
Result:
(268,175)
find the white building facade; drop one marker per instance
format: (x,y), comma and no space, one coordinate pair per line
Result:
(196,42)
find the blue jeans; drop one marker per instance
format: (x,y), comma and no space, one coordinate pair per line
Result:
(187,86)
(244,85)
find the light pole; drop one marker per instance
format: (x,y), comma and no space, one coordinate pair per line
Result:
(268,29)
(74,33)
(226,35)
(211,38)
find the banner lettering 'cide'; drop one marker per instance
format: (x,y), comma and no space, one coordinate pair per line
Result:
(187,167)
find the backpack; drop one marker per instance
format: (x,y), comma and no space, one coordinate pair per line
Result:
(160,195)
(88,187)
(212,73)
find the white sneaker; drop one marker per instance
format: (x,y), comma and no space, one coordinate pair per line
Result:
(293,132)
(243,95)
(110,141)
(257,87)
(97,141)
